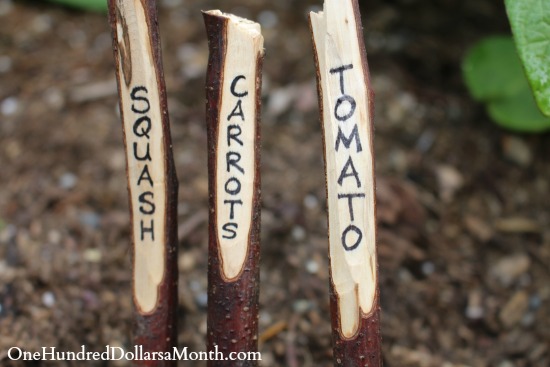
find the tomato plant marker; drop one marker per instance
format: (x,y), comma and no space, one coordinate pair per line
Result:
(346,104)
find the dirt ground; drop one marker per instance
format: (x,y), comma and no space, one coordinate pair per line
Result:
(463,206)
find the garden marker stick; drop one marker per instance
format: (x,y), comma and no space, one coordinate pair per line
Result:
(346,104)
(152,182)
(233,86)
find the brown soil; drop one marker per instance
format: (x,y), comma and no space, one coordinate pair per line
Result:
(464,243)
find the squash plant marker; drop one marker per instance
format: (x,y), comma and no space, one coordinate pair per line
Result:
(233,86)
(152,182)
(346,104)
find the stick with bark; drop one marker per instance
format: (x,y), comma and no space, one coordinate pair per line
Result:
(152,182)
(233,122)
(346,104)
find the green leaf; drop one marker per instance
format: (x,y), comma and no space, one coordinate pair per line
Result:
(530,20)
(519,112)
(494,75)
(492,69)
(95,5)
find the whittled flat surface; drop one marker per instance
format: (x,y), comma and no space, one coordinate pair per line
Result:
(349,162)
(141,111)
(64,195)
(235,174)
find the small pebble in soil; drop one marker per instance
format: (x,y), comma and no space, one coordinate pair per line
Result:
(450,180)
(195,286)
(301,306)
(90,219)
(508,269)
(312,266)
(54,237)
(54,98)
(474,310)
(192,61)
(398,160)
(311,201)
(68,181)
(517,151)
(425,141)
(201,299)
(535,302)
(514,310)
(528,319)
(298,233)
(42,23)
(265,318)
(48,299)
(92,255)
(5,64)
(9,106)
(186,261)
(428,267)
(280,100)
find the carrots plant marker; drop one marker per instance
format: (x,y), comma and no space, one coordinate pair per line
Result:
(346,103)
(232,110)
(152,182)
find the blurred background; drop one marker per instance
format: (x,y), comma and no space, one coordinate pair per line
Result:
(464,236)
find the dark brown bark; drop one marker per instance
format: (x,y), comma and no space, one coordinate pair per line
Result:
(232,305)
(155,331)
(364,349)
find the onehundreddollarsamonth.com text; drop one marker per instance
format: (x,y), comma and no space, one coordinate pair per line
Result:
(137,354)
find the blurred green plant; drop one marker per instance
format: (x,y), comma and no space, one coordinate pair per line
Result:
(493,73)
(95,5)
(517,96)
(530,21)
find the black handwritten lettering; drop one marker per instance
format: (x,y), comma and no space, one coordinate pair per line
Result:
(232,159)
(237,111)
(341,70)
(148,207)
(140,130)
(142,153)
(150,229)
(350,228)
(232,204)
(339,102)
(350,198)
(233,186)
(135,98)
(344,173)
(235,141)
(234,135)
(145,176)
(347,140)
(234,84)
(146,157)
(344,109)
(232,233)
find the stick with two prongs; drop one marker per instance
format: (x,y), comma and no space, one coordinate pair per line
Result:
(233,122)
(346,103)
(152,182)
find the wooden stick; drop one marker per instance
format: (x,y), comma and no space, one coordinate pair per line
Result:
(346,104)
(152,181)
(233,87)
